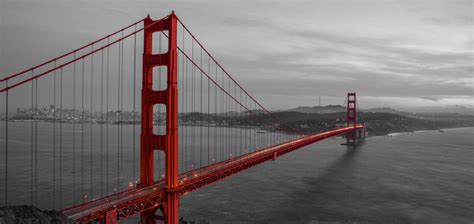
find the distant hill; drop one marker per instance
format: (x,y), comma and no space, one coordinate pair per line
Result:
(453,109)
(329,109)
(378,123)
(384,110)
(319,109)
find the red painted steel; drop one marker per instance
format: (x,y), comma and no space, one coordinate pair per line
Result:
(171,143)
(168,97)
(111,216)
(351,110)
(150,198)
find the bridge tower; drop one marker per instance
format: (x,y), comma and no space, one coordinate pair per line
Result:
(351,117)
(168,143)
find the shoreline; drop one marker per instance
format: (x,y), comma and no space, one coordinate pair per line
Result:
(393,134)
(371,133)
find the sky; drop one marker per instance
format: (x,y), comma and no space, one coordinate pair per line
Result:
(401,54)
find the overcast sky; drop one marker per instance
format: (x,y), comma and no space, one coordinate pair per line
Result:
(400,54)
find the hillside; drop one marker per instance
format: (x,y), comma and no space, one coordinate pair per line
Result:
(377,123)
(319,109)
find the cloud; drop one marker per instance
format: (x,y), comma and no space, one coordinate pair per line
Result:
(299,49)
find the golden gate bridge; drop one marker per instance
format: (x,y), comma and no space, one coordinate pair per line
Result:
(192,124)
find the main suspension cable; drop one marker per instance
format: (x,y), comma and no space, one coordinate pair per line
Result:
(69,53)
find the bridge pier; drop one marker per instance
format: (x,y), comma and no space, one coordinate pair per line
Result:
(111,217)
(356,136)
(148,217)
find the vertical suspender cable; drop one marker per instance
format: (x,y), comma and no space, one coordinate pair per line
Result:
(250,125)
(231,120)
(61,137)
(233,117)
(121,107)
(255,124)
(118,114)
(249,117)
(36,143)
(235,120)
(225,116)
(107,122)
(248,121)
(31,139)
(82,133)
(245,123)
(224,131)
(102,121)
(235,138)
(186,146)
(240,123)
(6,145)
(230,117)
(215,121)
(54,137)
(182,106)
(208,112)
(73,132)
(200,116)
(134,102)
(180,76)
(186,120)
(193,114)
(91,120)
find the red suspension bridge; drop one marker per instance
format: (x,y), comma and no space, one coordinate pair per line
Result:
(102,143)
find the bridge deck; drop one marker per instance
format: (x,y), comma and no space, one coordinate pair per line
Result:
(136,200)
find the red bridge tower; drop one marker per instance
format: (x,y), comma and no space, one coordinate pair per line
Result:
(351,118)
(168,143)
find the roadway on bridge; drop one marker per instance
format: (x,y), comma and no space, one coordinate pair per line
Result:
(93,209)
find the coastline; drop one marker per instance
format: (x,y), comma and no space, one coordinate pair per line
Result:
(393,134)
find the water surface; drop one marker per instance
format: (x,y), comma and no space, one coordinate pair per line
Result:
(422,177)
